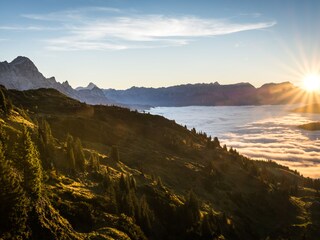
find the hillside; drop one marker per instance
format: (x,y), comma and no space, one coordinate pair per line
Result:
(111,173)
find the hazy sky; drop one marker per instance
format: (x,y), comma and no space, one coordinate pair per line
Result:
(153,43)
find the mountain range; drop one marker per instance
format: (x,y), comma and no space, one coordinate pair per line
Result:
(22,74)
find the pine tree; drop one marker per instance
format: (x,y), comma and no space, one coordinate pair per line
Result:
(192,209)
(78,154)
(133,183)
(13,202)
(3,139)
(3,102)
(208,226)
(69,142)
(46,145)
(145,216)
(32,166)
(94,162)
(123,183)
(115,153)
(159,182)
(216,142)
(70,153)
(72,161)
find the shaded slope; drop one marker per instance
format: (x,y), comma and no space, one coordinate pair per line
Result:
(249,200)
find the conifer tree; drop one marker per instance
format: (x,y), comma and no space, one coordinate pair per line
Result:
(71,159)
(46,146)
(207,226)
(32,166)
(115,153)
(145,216)
(44,130)
(3,140)
(94,162)
(192,209)
(133,183)
(70,153)
(78,154)
(216,142)
(3,102)
(13,202)
(123,183)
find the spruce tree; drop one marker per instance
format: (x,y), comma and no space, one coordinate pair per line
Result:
(3,102)
(145,216)
(13,202)
(78,154)
(46,146)
(123,183)
(216,142)
(3,140)
(192,209)
(72,161)
(115,153)
(70,152)
(94,162)
(32,166)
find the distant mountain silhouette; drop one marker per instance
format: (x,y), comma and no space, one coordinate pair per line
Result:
(90,86)
(22,74)
(212,94)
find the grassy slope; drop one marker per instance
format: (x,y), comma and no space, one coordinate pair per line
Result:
(152,145)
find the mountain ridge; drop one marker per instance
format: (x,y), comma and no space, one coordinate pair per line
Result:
(22,74)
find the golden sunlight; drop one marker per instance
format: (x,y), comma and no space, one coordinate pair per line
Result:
(311,83)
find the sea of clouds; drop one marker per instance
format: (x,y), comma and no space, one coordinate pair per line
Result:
(259,132)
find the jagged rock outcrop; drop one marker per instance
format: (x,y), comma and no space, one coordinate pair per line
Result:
(22,74)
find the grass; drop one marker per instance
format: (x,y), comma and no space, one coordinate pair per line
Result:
(248,193)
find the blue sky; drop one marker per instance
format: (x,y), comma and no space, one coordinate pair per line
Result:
(124,43)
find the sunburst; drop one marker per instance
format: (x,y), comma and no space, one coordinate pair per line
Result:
(311,83)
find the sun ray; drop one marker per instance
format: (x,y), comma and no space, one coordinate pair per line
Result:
(311,83)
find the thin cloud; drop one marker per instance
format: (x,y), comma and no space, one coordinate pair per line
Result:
(97,28)
(27,28)
(19,28)
(67,15)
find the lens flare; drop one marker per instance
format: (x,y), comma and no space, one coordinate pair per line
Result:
(311,83)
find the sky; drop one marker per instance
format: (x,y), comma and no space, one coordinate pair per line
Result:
(151,43)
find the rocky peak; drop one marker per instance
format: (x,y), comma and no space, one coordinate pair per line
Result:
(91,85)
(24,63)
(66,84)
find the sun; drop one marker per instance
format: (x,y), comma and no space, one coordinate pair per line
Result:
(311,83)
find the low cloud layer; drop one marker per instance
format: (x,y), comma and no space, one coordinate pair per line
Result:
(98,28)
(279,139)
(262,132)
